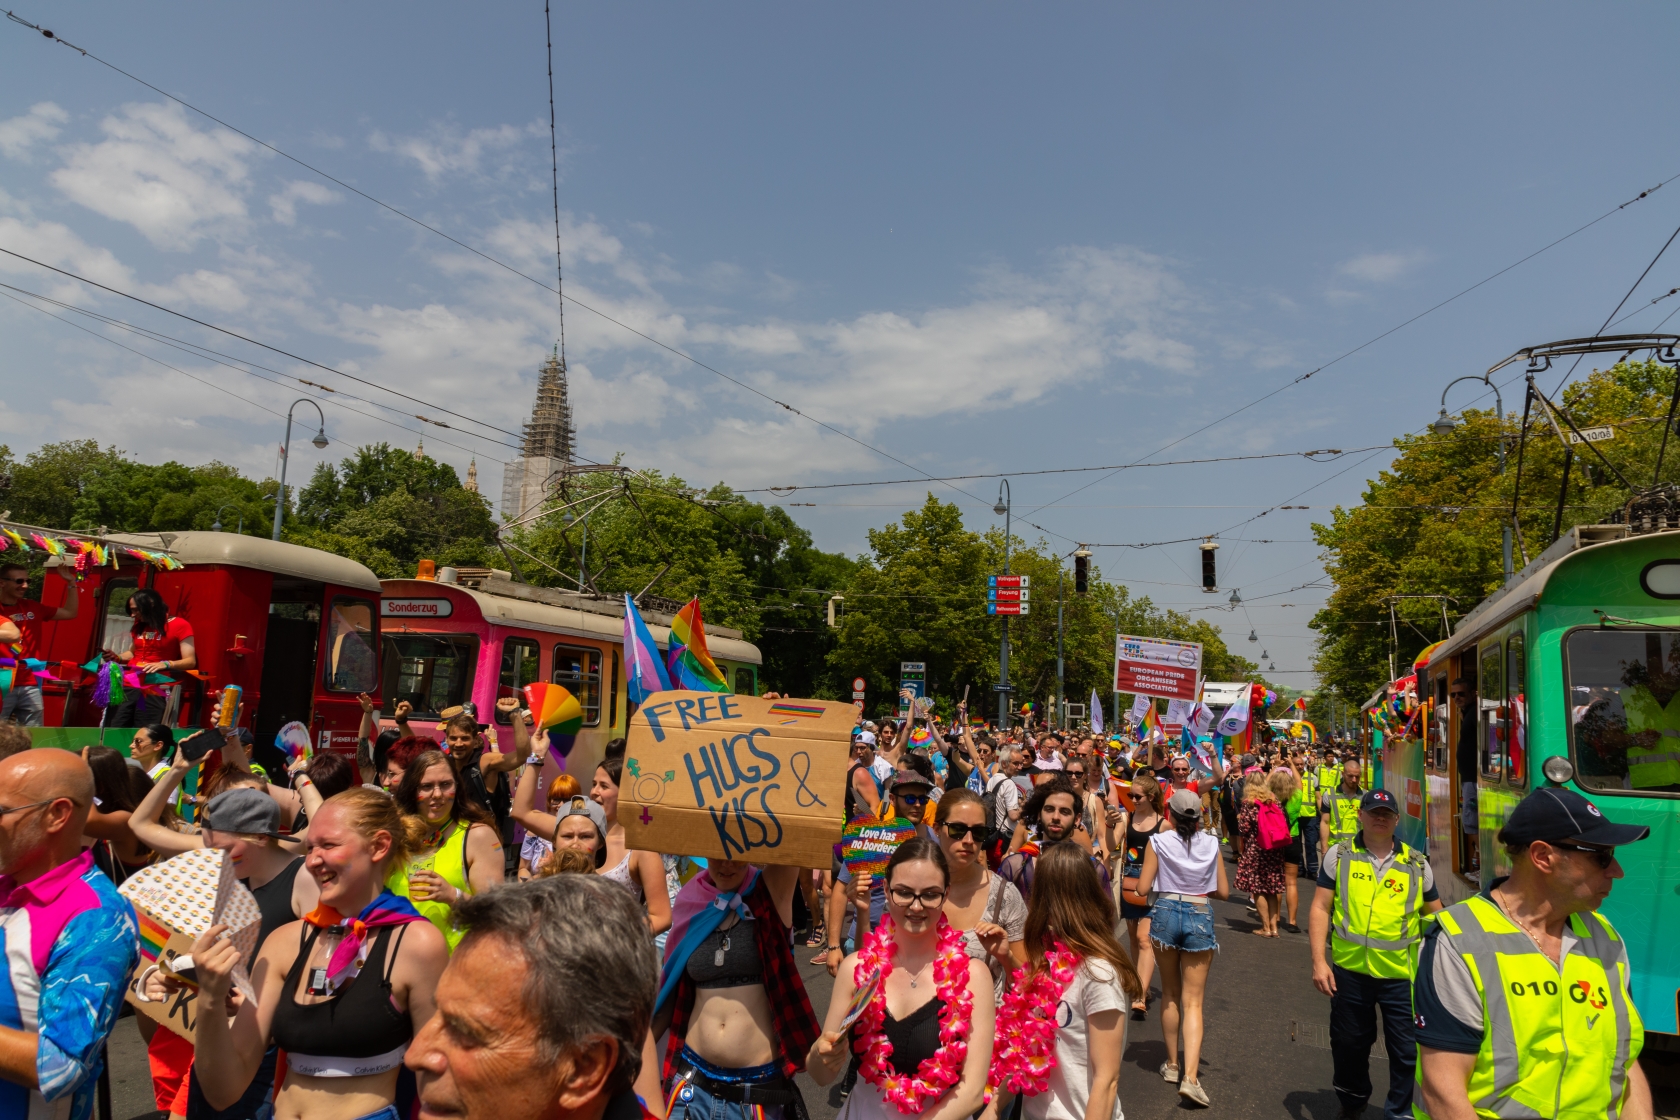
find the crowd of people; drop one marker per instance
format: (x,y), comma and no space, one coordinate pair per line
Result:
(993,969)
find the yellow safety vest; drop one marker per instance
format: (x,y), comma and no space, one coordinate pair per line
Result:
(1328,778)
(1344,816)
(1658,765)
(449,860)
(1553,1046)
(1378,925)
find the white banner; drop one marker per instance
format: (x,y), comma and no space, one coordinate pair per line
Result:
(1096,713)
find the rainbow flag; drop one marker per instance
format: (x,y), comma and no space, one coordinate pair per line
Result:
(645,675)
(799,711)
(690,661)
(1150,724)
(153,935)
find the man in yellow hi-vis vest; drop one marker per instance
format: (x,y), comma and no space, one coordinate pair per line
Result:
(1522,1001)
(1339,808)
(1373,893)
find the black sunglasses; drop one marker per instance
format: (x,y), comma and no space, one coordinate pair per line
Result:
(1604,857)
(958,830)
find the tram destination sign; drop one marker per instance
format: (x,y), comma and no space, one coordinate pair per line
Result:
(415,608)
(736,777)
(1157,667)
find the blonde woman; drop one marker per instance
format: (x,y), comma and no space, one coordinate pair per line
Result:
(1260,870)
(1286,787)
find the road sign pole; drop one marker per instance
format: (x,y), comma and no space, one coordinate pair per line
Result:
(1006,499)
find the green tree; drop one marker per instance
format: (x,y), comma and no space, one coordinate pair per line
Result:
(1430,524)
(79,485)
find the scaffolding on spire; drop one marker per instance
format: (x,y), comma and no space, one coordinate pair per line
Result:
(549,438)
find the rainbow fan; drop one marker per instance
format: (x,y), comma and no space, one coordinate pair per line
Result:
(557,712)
(293,741)
(920,739)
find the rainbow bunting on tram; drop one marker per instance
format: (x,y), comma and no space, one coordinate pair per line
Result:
(690,661)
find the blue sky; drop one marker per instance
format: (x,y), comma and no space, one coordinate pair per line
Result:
(980,237)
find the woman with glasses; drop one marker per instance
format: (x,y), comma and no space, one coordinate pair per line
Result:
(460,854)
(1093,810)
(910,794)
(1145,820)
(923,1040)
(984,907)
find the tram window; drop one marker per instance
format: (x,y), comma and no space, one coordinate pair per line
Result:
(1491,732)
(578,670)
(351,665)
(612,693)
(1624,706)
(431,671)
(519,668)
(744,682)
(117,635)
(1516,712)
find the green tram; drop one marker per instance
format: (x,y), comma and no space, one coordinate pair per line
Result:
(1572,678)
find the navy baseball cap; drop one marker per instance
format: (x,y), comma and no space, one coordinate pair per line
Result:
(1378,799)
(1562,814)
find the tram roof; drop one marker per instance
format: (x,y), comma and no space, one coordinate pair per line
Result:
(239,551)
(1522,592)
(593,619)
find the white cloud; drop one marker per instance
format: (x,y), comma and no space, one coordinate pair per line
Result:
(445,150)
(57,245)
(284,203)
(19,134)
(155,171)
(1381,268)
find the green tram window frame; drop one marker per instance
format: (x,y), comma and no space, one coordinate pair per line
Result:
(745,684)
(521,665)
(577,669)
(1516,712)
(1590,783)
(1490,698)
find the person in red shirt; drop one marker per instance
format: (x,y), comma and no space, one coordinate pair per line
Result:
(23,700)
(162,644)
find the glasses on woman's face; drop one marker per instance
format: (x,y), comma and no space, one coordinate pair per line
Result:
(907,898)
(1075,773)
(445,788)
(957,830)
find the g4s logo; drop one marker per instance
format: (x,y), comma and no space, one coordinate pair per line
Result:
(1582,991)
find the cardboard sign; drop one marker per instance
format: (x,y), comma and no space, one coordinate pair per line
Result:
(868,844)
(175,902)
(736,777)
(1157,667)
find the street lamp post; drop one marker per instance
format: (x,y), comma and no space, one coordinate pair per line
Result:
(320,440)
(1002,508)
(216,526)
(1444,425)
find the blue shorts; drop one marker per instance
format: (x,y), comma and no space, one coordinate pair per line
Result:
(1186,926)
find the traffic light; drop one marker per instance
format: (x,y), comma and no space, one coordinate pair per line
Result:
(1210,581)
(1081,569)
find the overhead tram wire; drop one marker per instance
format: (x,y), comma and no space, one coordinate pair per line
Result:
(752,389)
(221,388)
(1618,307)
(263,345)
(1370,342)
(239,365)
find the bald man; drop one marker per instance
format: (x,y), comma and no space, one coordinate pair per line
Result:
(69,939)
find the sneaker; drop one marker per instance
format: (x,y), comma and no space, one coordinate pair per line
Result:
(1169,1073)
(1192,1091)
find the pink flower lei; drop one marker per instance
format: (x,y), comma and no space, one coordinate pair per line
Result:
(937,1074)
(1025,1050)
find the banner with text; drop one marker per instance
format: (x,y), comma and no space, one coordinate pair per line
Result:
(736,777)
(1157,667)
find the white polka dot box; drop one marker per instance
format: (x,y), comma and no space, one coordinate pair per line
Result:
(181,894)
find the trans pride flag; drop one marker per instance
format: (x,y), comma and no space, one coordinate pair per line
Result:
(690,661)
(646,674)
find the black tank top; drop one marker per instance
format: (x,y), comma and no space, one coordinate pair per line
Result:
(274,900)
(1136,841)
(915,1038)
(359,1022)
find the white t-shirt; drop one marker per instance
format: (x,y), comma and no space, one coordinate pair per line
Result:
(1096,987)
(881,768)
(1008,800)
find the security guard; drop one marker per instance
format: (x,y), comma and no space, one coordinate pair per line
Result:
(1339,807)
(1522,996)
(1654,762)
(1328,772)
(1373,892)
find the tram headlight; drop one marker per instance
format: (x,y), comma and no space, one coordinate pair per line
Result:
(1557,769)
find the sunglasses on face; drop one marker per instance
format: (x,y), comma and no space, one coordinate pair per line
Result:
(907,898)
(1604,857)
(957,830)
(917,799)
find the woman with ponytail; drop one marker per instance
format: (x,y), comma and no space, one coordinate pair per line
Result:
(1062,1026)
(1184,868)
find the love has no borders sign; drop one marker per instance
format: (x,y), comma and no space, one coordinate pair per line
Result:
(736,777)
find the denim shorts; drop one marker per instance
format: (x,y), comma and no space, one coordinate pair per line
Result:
(1186,926)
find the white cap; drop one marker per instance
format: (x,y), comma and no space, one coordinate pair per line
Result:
(864,737)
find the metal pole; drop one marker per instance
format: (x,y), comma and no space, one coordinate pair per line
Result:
(1059,714)
(583,554)
(320,440)
(1111,678)
(1007,499)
